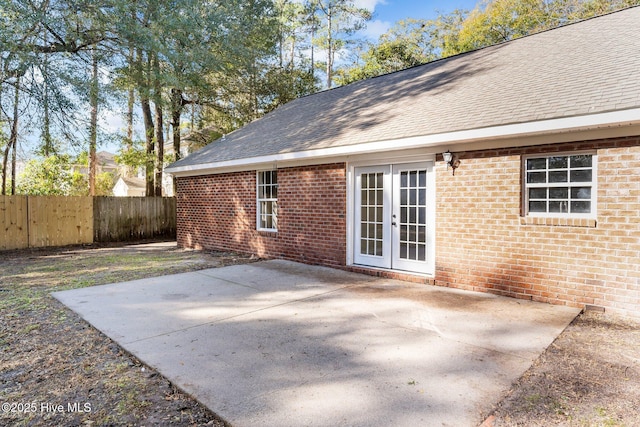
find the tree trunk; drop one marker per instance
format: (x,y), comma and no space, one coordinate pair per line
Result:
(5,160)
(159,140)
(329,48)
(46,133)
(12,144)
(313,36)
(159,132)
(147,118)
(254,90)
(148,131)
(93,126)
(130,103)
(176,113)
(131,95)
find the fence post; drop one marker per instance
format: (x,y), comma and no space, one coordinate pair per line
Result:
(28,225)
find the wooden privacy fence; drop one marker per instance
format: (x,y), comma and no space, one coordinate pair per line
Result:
(39,221)
(132,218)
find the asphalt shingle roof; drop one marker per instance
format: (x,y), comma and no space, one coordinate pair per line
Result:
(584,68)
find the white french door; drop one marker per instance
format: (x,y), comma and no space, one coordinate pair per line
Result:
(394,217)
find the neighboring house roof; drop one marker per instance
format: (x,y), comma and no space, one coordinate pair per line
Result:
(106,161)
(578,77)
(134,183)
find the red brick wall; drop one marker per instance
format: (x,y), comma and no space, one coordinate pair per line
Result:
(219,212)
(484,244)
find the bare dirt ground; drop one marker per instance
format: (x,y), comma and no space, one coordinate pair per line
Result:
(55,369)
(589,376)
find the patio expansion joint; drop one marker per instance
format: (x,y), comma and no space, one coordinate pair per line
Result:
(213,276)
(237,315)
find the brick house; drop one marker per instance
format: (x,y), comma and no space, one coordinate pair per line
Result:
(513,169)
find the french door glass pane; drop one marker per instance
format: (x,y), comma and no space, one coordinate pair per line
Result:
(423,179)
(371,221)
(413,215)
(413,196)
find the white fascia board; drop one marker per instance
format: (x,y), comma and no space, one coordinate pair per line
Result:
(519,130)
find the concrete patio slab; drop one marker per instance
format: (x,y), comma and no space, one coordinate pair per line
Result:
(277,343)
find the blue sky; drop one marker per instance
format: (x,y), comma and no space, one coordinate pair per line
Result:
(388,12)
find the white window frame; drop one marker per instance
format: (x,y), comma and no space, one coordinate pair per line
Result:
(260,200)
(593,185)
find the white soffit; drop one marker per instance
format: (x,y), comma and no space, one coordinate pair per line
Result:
(589,127)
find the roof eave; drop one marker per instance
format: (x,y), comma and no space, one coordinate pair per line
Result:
(626,122)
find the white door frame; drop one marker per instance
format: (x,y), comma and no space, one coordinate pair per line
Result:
(427,268)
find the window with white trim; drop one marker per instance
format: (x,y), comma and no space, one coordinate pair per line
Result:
(267,200)
(560,185)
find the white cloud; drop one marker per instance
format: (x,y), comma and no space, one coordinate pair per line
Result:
(369,4)
(375,29)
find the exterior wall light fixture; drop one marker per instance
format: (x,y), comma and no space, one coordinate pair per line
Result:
(451,160)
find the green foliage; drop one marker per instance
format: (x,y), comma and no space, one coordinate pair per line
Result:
(59,176)
(405,45)
(3,142)
(82,158)
(104,184)
(132,154)
(51,176)
(496,21)
(499,21)
(79,184)
(413,42)
(282,85)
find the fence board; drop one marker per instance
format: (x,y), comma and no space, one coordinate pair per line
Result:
(14,233)
(133,218)
(59,221)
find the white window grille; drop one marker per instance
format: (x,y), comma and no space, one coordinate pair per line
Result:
(560,185)
(267,200)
